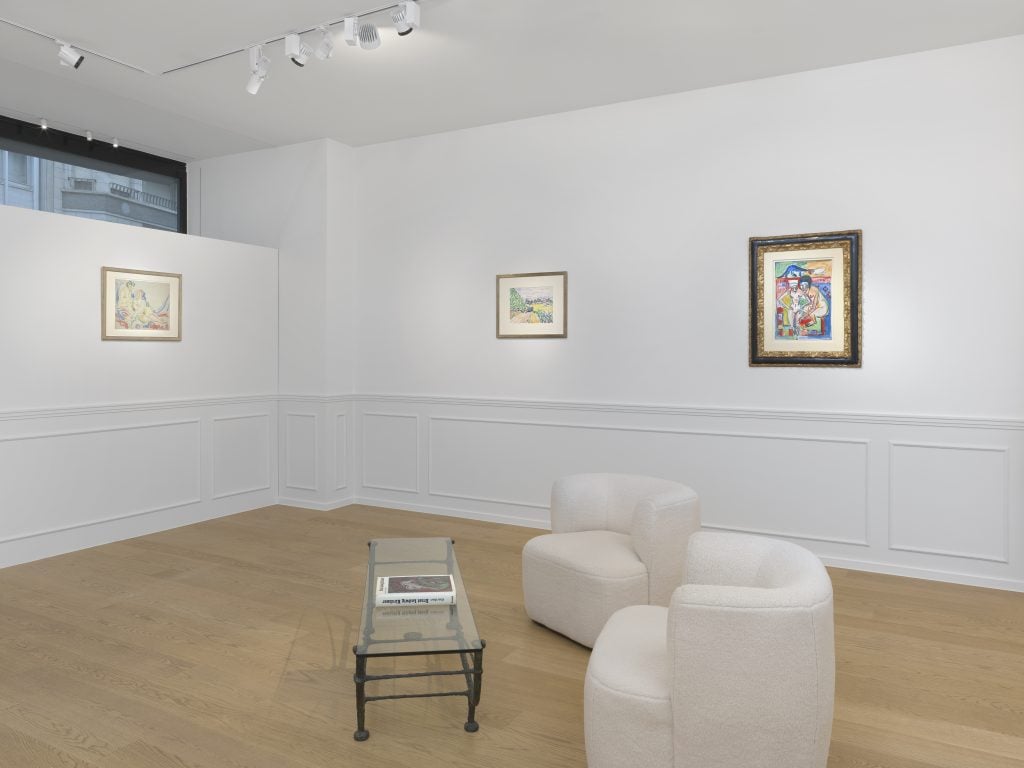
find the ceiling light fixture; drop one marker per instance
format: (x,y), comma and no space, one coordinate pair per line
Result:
(114,143)
(69,56)
(88,135)
(406,17)
(258,64)
(43,124)
(350,30)
(325,49)
(369,37)
(296,50)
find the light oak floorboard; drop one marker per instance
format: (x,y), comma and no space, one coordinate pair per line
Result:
(227,644)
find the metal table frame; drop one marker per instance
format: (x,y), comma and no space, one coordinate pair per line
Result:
(472,660)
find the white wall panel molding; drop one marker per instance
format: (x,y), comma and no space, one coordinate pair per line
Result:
(391,454)
(302,451)
(896,419)
(241,462)
(798,517)
(341,452)
(950,499)
(141,406)
(88,453)
(318,399)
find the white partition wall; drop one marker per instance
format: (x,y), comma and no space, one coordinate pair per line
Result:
(104,440)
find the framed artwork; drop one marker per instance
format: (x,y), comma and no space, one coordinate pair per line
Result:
(805,299)
(140,306)
(532,305)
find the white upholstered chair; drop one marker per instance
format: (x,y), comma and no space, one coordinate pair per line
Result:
(616,540)
(738,671)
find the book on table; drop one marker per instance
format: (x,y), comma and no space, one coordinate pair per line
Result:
(429,589)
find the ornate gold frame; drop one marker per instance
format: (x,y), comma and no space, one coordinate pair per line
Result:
(849,354)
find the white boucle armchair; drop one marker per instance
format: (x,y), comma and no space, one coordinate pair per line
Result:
(738,671)
(616,540)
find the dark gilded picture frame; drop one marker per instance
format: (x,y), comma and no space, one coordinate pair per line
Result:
(805,299)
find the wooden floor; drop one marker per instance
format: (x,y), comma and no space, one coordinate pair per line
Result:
(228,644)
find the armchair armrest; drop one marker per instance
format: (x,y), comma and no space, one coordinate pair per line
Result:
(662,526)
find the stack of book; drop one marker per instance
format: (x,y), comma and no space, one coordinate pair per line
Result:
(433,589)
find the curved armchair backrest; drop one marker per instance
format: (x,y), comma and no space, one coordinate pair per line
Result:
(602,501)
(752,649)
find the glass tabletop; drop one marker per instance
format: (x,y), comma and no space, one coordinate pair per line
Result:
(394,630)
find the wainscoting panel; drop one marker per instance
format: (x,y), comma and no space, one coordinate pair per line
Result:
(341,458)
(241,454)
(119,471)
(746,480)
(950,500)
(72,478)
(931,497)
(391,452)
(302,455)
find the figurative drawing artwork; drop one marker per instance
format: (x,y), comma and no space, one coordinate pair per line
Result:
(138,305)
(532,305)
(142,305)
(803,296)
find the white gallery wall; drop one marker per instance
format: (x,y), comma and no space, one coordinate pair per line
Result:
(910,464)
(104,440)
(389,387)
(299,199)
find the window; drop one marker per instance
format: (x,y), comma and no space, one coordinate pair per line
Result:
(63,173)
(17,169)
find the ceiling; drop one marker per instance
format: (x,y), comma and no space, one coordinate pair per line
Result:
(474,62)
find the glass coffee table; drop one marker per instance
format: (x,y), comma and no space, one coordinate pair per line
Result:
(427,630)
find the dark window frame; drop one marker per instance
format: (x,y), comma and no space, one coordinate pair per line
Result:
(30,133)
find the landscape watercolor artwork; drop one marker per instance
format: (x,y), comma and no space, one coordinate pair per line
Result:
(532,305)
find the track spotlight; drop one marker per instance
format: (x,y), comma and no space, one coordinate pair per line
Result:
(325,49)
(351,30)
(297,50)
(88,135)
(258,64)
(43,124)
(406,17)
(69,56)
(114,143)
(369,37)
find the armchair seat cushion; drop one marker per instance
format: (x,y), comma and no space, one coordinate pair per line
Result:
(627,692)
(573,581)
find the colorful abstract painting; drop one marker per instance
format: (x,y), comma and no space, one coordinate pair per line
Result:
(803,299)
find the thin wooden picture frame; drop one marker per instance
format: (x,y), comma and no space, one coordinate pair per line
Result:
(139,305)
(532,305)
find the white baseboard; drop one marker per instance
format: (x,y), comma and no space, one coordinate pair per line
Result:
(928,574)
(321,506)
(71,538)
